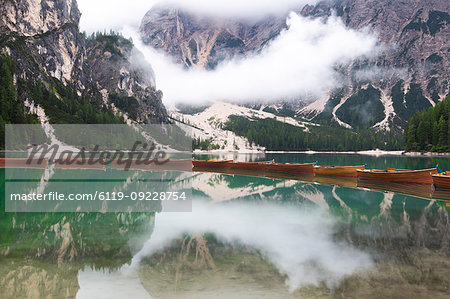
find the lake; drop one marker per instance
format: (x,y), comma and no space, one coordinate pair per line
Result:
(246,237)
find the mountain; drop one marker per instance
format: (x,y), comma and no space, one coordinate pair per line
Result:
(209,126)
(230,127)
(55,71)
(411,74)
(50,71)
(415,36)
(125,79)
(205,41)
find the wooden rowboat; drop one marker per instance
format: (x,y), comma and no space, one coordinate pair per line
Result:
(442,180)
(212,163)
(250,165)
(442,194)
(164,165)
(23,163)
(345,181)
(80,164)
(342,171)
(423,176)
(418,190)
(291,167)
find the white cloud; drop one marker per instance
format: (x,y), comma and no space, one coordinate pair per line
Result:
(115,14)
(240,8)
(100,15)
(301,61)
(376,73)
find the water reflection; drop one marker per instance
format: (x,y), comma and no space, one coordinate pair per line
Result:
(106,284)
(297,241)
(246,237)
(420,190)
(310,236)
(94,182)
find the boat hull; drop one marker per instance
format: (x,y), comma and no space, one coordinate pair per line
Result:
(80,164)
(419,190)
(341,171)
(399,176)
(250,165)
(291,168)
(345,181)
(23,163)
(211,163)
(441,181)
(164,165)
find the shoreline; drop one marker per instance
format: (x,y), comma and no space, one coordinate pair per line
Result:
(376,152)
(426,154)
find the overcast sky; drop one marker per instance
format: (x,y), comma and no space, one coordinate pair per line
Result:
(97,15)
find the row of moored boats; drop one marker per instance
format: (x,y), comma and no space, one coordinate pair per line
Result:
(390,175)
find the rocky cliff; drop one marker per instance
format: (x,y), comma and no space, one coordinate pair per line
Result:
(410,74)
(44,39)
(124,78)
(205,41)
(49,51)
(415,59)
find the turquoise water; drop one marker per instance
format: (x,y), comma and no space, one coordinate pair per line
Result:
(246,237)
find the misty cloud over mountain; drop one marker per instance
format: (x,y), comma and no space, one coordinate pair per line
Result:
(299,62)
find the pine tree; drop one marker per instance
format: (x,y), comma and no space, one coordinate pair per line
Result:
(429,127)
(443,130)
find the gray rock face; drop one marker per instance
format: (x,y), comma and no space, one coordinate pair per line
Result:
(203,41)
(31,17)
(415,34)
(119,68)
(43,38)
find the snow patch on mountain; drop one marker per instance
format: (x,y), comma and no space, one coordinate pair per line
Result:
(49,130)
(313,109)
(219,189)
(388,111)
(335,118)
(210,123)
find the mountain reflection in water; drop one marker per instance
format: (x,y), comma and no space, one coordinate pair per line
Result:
(246,237)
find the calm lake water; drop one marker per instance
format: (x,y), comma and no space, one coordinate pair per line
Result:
(246,237)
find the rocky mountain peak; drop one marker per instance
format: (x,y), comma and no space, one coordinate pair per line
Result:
(31,17)
(124,77)
(205,41)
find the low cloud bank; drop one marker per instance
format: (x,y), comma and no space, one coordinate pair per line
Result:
(300,63)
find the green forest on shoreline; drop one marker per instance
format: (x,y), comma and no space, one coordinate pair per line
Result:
(429,130)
